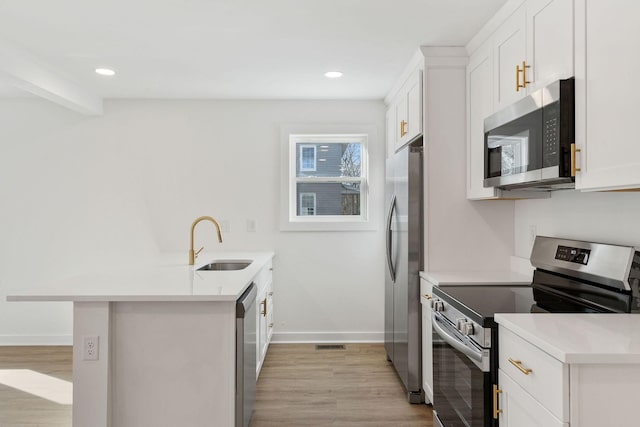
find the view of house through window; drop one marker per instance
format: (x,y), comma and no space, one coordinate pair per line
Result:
(330,175)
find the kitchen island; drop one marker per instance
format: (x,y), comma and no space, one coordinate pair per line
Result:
(568,369)
(155,345)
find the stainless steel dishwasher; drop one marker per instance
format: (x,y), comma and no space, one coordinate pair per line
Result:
(245,355)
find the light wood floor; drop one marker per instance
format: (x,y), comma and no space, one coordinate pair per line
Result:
(298,386)
(301,386)
(21,409)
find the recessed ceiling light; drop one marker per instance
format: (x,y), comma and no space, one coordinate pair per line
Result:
(333,74)
(105,71)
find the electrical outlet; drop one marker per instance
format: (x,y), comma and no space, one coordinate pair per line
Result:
(91,348)
(251,225)
(225,227)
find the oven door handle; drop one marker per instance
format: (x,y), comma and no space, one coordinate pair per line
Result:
(455,342)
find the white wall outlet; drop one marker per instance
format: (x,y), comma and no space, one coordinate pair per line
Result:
(251,225)
(91,348)
(225,227)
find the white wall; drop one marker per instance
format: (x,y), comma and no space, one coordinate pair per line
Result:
(461,235)
(77,192)
(601,217)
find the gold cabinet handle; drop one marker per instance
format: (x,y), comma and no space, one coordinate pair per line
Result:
(574,150)
(522,70)
(525,82)
(264,309)
(518,364)
(403,130)
(427,296)
(496,411)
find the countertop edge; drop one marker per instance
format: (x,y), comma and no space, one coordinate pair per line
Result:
(596,357)
(262,258)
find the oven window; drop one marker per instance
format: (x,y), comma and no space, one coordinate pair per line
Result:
(460,389)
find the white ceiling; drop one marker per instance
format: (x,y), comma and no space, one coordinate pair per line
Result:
(258,49)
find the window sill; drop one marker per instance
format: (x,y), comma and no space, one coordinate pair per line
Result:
(327,226)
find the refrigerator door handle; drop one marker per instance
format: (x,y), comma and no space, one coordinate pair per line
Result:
(392,208)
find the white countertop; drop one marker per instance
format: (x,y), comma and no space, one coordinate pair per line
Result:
(450,278)
(168,278)
(580,338)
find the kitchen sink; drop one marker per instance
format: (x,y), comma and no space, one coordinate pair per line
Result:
(226,265)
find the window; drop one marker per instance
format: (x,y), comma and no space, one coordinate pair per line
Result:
(307,160)
(327,178)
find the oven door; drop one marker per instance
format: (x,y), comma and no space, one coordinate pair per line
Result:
(462,381)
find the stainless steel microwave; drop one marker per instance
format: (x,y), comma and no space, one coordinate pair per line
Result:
(529,145)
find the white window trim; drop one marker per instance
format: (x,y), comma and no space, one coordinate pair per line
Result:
(374,190)
(291,221)
(315,204)
(315,158)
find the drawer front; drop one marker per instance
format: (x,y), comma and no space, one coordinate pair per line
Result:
(545,378)
(519,409)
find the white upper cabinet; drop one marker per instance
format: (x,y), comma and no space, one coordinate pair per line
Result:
(607,107)
(479,106)
(409,110)
(530,48)
(510,47)
(533,48)
(549,42)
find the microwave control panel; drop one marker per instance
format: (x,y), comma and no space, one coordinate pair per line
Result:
(550,135)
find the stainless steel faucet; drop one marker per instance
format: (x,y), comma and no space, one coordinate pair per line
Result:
(193,255)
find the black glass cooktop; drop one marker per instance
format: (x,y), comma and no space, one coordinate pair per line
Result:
(480,302)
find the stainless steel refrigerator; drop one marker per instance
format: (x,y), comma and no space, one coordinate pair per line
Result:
(404,248)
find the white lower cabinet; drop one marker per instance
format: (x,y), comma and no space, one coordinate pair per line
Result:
(264,316)
(520,409)
(537,390)
(427,340)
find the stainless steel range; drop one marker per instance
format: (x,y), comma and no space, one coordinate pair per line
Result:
(570,277)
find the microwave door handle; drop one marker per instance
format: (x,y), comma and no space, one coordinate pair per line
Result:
(392,208)
(454,342)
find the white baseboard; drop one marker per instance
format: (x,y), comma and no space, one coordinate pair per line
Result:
(6,340)
(327,337)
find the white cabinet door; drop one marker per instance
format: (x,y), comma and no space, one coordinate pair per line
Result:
(427,340)
(519,409)
(549,42)
(607,107)
(414,107)
(479,106)
(409,110)
(269,314)
(509,43)
(261,330)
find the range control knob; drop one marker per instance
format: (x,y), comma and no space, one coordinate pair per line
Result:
(460,323)
(467,328)
(438,306)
